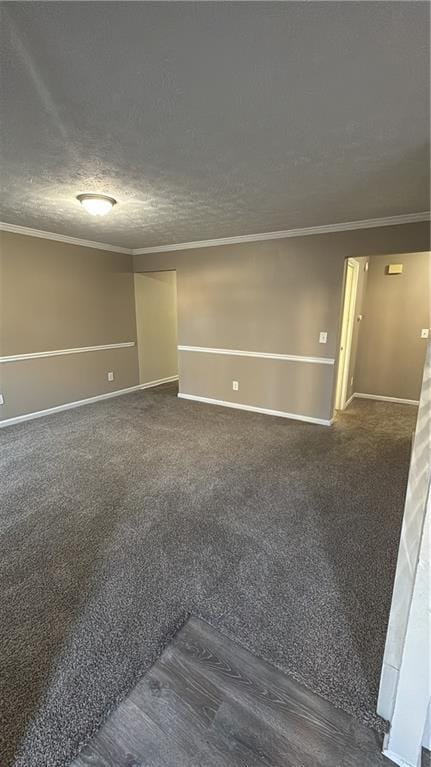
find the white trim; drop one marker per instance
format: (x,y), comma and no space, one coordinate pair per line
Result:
(351,398)
(66,406)
(253,409)
(61,352)
(396,758)
(262,355)
(158,382)
(28,232)
(381,397)
(370,223)
(87,401)
(346,335)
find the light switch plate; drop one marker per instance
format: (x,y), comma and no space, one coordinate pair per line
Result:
(395,269)
(323,337)
(425,332)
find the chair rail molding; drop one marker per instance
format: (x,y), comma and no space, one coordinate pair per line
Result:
(62,352)
(261,355)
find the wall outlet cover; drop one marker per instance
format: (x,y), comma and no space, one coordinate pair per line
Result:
(323,337)
(235,385)
(1,399)
(110,376)
(425,333)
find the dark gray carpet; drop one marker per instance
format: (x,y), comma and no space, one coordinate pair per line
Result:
(121,518)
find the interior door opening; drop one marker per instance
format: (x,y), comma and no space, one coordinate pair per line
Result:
(156,326)
(347,325)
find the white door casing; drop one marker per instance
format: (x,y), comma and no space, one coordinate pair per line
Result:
(347,325)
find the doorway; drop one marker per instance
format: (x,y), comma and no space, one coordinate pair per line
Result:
(156,326)
(347,325)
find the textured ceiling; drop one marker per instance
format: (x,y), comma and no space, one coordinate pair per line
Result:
(212,119)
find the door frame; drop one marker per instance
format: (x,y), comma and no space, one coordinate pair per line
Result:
(346,334)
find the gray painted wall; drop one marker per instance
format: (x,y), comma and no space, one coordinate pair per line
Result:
(391,353)
(272,296)
(156,324)
(60,296)
(275,297)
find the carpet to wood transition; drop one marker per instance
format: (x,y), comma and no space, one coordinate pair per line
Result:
(121,518)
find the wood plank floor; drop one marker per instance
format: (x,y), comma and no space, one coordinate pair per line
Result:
(207,702)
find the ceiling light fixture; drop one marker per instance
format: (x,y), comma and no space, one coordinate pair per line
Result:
(96,204)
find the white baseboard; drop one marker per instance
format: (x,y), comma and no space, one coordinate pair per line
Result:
(87,401)
(158,382)
(351,398)
(397,759)
(66,406)
(253,409)
(381,397)
(393,756)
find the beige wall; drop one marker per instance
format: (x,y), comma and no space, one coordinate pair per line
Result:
(391,353)
(284,386)
(59,296)
(275,297)
(156,322)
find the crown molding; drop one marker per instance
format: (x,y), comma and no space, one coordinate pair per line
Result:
(15,229)
(370,223)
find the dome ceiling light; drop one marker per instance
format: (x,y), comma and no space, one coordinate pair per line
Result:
(96,204)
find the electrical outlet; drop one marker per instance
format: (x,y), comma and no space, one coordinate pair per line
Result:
(351,381)
(425,333)
(1,399)
(110,376)
(323,337)
(235,385)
